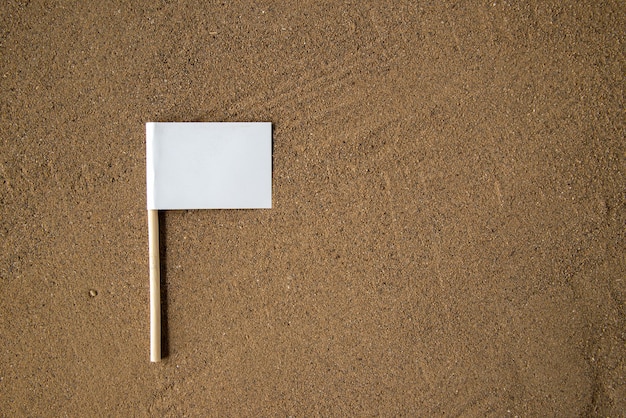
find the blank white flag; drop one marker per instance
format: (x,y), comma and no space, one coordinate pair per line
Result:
(209,165)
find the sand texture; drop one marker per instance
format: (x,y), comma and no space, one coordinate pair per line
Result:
(448,235)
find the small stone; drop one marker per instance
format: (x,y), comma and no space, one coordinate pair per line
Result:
(93,293)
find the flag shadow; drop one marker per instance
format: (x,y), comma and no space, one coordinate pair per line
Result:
(165,346)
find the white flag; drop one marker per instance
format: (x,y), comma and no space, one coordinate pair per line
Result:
(209,165)
(191,165)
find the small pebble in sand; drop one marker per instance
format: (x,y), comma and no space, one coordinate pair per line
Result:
(93,293)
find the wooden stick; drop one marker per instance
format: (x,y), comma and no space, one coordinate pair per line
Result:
(155,286)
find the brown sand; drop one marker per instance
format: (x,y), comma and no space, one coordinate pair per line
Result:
(448,231)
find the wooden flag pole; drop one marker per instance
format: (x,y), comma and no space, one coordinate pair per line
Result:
(155,286)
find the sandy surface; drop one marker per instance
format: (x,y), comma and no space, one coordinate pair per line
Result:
(448,230)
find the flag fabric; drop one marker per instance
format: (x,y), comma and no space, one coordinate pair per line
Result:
(209,165)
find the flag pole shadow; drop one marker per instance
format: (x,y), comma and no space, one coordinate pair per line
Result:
(165,351)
